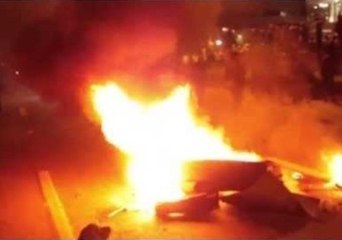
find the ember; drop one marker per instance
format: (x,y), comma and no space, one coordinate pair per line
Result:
(158,138)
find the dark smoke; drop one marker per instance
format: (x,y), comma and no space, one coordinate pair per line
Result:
(58,52)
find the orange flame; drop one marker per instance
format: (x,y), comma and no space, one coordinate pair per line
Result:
(158,137)
(336,168)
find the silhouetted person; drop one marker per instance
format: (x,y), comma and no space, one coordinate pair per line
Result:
(94,232)
(229,38)
(236,70)
(319,33)
(328,71)
(2,76)
(331,48)
(304,32)
(338,28)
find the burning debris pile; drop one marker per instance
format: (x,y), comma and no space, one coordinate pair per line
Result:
(170,148)
(158,138)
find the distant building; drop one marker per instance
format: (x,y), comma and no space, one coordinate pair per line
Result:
(252,13)
(324,11)
(328,10)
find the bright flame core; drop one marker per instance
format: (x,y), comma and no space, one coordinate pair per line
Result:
(336,169)
(158,137)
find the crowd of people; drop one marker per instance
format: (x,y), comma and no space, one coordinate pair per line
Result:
(290,57)
(330,57)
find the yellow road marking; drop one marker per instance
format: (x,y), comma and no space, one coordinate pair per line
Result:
(56,208)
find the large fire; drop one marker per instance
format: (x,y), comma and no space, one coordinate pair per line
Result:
(158,137)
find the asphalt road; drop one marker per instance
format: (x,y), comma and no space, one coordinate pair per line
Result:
(23,211)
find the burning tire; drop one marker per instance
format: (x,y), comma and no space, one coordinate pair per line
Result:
(214,176)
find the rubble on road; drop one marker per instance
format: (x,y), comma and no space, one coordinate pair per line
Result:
(195,205)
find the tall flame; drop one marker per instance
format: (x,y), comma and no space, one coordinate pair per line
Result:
(158,137)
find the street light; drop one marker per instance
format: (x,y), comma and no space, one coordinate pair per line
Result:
(323,5)
(218,42)
(225,29)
